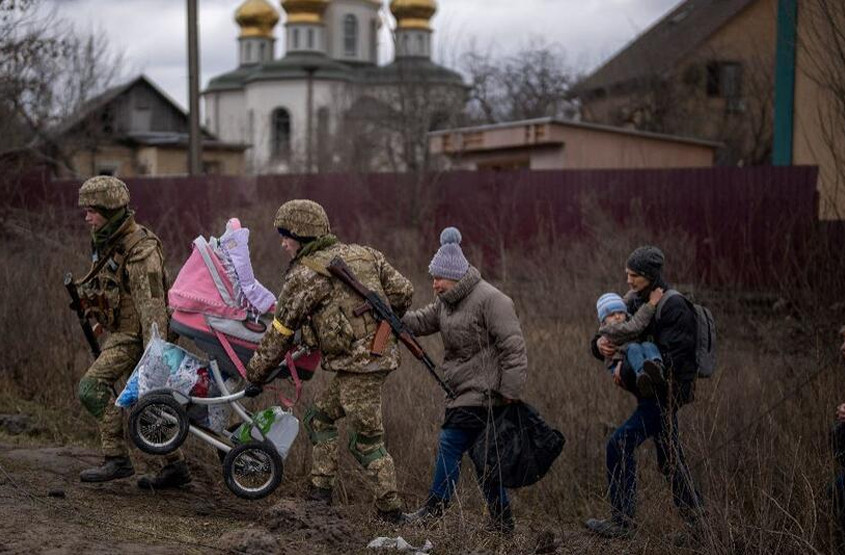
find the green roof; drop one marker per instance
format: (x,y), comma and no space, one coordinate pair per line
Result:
(411,70)
(298,65)
(232,80)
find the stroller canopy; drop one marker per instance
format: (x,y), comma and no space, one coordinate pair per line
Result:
(217,279)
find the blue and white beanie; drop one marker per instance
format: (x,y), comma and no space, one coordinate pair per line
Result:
(608,304)
(449,261)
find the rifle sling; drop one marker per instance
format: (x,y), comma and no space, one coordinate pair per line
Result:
(118,252)
(316,265)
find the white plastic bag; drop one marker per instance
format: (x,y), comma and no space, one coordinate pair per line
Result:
(163,365)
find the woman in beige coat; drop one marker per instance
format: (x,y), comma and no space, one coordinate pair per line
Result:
(484,363)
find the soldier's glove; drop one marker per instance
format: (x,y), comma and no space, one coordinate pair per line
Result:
(253,390)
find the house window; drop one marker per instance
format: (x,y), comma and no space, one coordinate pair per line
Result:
(350,35)
(280,122)
(724,79)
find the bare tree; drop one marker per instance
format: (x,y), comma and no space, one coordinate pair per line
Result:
(821,35)
(532,83)
(47,73)
(697,100)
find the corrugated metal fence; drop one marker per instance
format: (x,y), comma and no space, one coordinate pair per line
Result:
(745,222)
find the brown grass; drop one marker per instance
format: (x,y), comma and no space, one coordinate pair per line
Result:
(764,474)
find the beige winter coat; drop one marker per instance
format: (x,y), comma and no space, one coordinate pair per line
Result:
(484,350)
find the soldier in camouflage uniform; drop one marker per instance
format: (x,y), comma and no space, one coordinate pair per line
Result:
(324,309)
(125,293)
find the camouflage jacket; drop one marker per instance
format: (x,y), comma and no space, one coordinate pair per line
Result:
(125,290)
(323,308)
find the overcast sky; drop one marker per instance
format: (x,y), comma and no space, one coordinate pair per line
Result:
(152,33)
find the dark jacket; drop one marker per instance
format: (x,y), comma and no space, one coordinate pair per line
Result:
(674,334)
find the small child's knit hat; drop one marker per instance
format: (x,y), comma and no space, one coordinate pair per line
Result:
(449,261)
(608,304)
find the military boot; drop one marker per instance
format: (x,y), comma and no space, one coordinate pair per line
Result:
(113,468)
(171,475)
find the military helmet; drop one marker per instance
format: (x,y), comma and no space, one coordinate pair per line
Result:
(302,219)
(104,191)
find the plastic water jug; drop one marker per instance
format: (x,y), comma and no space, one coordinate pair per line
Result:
(279,426)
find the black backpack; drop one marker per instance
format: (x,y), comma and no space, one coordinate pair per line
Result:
(705,339)
(517,445)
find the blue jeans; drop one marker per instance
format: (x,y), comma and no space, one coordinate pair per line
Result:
(651,419)
(453,443)
(638,353)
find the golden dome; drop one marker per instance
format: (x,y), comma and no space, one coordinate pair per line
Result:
(413,14)
(256,18)
(305,11)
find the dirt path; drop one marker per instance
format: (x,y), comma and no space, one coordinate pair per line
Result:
(45,509)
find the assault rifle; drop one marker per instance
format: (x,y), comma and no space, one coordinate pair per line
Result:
(387,321)
(77,306)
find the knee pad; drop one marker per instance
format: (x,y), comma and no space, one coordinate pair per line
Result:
(365,459)
(94,395)
(319,425)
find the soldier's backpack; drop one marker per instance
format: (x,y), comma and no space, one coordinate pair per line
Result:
(705,338)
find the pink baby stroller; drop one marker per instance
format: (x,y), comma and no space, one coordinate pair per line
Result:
(218,303)
(224,310)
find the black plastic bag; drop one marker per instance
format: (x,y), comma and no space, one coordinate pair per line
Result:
(517,446)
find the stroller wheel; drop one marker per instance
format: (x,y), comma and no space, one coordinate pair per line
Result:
(158,424)
(253,470)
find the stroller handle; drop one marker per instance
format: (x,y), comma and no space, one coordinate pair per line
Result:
(283,367)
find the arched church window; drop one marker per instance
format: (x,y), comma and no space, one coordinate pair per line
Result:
(280,125)
(420,45)
(373,41)
(310,39)
(323,144)
(248,57)
(350,35)
(262,48)
(296,39)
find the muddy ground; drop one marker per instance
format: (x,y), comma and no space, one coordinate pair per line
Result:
(44,508)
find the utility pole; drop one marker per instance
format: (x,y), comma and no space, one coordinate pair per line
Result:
(194,137)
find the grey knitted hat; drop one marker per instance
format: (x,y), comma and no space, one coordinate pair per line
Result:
(449,261)
(646,261)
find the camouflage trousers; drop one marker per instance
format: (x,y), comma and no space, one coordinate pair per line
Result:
(357,397)
(96,392)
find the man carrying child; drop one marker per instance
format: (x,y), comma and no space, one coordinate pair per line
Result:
(644,369)
(674,333)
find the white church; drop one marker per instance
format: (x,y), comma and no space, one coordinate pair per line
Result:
(326,103)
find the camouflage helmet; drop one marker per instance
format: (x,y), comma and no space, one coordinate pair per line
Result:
(104,191)
(302,219)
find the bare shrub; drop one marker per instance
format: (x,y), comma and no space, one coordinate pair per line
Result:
(755,436)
